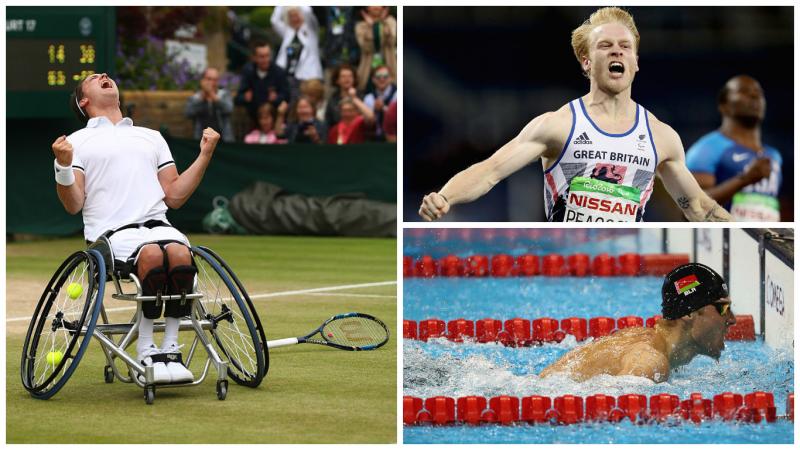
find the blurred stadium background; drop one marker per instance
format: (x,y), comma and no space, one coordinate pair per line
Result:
(475,76)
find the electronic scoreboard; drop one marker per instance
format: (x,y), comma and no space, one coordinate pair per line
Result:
(48,49)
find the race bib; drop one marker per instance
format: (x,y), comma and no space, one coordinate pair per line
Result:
(753,207)
(593,200)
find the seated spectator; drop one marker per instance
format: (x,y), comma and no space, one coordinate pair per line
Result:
(299,53)
(315,91)
(357,121)
(211,107)
(303,126)
(268,122)
(390,122)
(383,93)
(377,38)
(262,81)
(344,79)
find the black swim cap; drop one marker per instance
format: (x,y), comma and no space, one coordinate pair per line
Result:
(690,287)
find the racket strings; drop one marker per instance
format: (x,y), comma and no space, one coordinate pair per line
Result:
(354,332)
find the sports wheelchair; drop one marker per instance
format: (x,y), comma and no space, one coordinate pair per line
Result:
(70,312)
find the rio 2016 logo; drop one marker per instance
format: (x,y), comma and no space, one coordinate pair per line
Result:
(775,296)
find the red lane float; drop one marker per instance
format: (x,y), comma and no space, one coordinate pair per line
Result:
(526,266)
(604,265)
(743,330)
(552,265)
(502,265)
(470,409)
(451,266)
(569,409)
(431,328)
(696,408)
(633,406)
(536,409)
(488,330)
(520,332)
(411,408)
(578,265)
(599,407)
(477,266)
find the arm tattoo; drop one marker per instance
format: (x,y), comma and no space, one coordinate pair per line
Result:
(683,202)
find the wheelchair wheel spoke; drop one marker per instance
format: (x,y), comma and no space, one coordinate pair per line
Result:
(233,330)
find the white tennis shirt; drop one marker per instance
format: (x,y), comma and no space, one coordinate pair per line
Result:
(121,164)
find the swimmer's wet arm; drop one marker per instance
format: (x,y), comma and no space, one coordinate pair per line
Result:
(682,186)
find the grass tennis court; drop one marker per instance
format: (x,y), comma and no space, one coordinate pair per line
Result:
(312,394)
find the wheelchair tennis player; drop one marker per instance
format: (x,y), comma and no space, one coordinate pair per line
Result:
(123,178)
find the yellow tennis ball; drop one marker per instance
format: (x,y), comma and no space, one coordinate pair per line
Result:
(54,358)
(74,290)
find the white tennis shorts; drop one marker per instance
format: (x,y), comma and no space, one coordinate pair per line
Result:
(125,242)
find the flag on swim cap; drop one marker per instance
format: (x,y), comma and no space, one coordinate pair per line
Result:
(690,287)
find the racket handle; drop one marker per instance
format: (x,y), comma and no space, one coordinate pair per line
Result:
(282,342)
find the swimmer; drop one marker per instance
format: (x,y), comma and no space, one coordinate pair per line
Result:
(696,310)
(732,164)
(603,129)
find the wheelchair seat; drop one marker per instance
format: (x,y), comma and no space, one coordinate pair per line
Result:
(115,268)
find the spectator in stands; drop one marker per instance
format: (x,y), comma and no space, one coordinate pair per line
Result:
(377,38)
(344,79)
(299,53)
(383,93)
(390,122)
(262,81)
(357,121)
(340,45)
(211,107)
(315,91)
(303,126)
(268,122)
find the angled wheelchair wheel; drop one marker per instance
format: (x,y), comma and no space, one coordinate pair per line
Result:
(246,298)
(62,324)
(234,329)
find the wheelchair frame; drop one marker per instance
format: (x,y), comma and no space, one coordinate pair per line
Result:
(106,333)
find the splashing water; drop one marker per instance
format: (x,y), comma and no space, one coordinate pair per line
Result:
(440,367)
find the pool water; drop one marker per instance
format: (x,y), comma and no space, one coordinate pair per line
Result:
(440,367)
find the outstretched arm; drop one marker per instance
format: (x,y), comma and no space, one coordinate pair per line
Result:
(178,188)
(476,180)
(695,204)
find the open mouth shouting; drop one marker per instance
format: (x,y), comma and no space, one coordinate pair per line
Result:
(616,68)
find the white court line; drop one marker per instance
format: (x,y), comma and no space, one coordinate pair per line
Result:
(331,294)
(272,294)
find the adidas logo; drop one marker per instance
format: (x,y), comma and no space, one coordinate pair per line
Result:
(582,139)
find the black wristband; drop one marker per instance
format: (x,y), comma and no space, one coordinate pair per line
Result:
(445,198)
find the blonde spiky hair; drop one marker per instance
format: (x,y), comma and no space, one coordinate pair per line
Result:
(612,14)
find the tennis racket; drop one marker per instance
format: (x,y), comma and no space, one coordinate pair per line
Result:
(351,331)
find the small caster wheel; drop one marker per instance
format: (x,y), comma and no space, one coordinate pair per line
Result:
(149,394)
(108,374)
(222,389)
